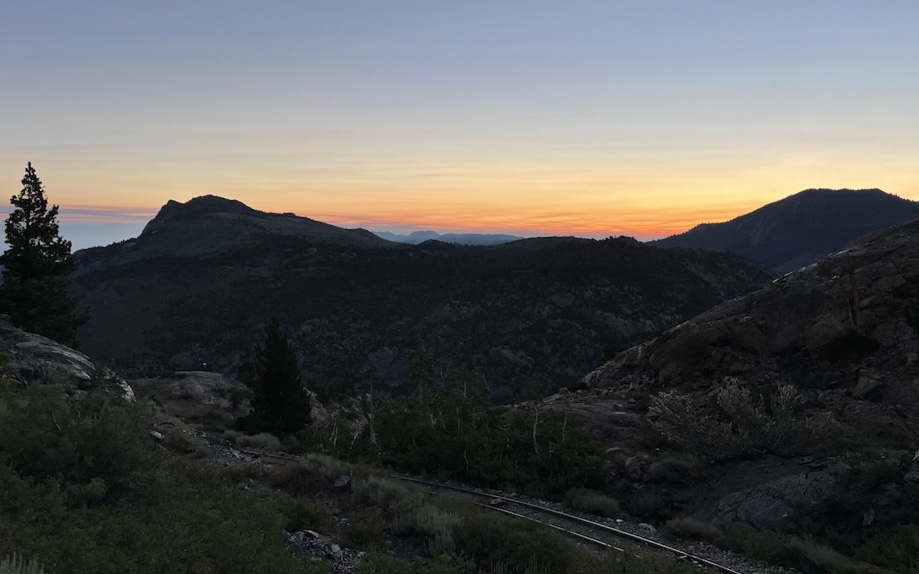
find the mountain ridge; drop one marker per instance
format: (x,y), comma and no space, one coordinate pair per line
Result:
(531,313)
(800,229)
(417,237)
(207,224)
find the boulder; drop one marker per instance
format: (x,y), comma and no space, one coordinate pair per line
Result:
(196,393)
(32,358)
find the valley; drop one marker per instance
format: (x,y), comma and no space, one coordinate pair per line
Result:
(683,392)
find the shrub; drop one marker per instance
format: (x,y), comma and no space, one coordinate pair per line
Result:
(592,501)
(897,550)
(46,436)
(490,540)
(366,529)
(180,441)
(672,469)
(428,522)
(160,512)
(746,427)
(297,479)
(381,492)
(305,514)
(15,564)
(804,555)
(694,530)
(648,502)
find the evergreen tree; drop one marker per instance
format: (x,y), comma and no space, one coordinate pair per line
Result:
(280,403)
(37,259)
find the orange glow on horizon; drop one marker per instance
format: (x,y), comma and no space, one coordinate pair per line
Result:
(519,198)
(642,222)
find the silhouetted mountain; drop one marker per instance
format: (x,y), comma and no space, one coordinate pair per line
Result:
(197,284)
(800,229)
(208,224)
(417,237)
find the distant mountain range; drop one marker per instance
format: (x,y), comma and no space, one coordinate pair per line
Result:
(800,229)
(417,237)
(197,285)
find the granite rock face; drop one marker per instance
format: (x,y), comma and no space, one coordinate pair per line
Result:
(32,358)
(843,331)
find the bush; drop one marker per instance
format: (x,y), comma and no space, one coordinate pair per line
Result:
(648,503)
(694,530)
(82,484)
(305,514)
(298,479)
(15,564)
(491,540)
(428,522)
(897,550)
(366,529)
(802,554)
(183,442)
(746,426)
(673,469)
(592,501)
(380,492)
(46,436)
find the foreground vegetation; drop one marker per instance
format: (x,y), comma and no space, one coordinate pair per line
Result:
(84,488)
(446,426)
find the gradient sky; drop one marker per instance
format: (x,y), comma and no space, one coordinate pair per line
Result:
(531,117)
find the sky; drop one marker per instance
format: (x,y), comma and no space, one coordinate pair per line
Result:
(591,118)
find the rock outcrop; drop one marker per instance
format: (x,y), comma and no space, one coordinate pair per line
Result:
(29,358)
(193,394)
(843,330)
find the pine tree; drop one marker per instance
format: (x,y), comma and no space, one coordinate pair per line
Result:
(34,293)
(280,402)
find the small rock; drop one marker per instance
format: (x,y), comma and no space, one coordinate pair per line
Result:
(157,435)
(866,386)
(343,482)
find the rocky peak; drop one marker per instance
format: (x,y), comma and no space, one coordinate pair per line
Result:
(802,228)
(206,204)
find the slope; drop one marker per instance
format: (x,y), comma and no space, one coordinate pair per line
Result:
(843,330)
(530,314)
(801,228)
